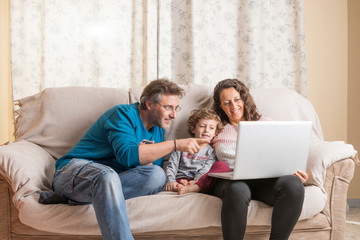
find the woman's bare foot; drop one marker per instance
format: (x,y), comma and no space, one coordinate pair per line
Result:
(187,189)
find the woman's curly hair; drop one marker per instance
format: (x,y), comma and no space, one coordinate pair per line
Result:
(203,113)
(250,111)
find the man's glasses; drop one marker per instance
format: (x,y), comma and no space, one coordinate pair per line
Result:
(170,108)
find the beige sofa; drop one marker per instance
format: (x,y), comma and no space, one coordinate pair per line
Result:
(50,123)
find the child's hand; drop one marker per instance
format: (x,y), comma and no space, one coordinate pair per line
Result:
(192,182)
(187,182)
(303,176)
(172,186)
(184,182)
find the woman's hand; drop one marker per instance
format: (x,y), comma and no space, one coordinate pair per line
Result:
(303,176)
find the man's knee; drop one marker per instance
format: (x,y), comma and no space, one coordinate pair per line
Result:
(156,177)
(108,181)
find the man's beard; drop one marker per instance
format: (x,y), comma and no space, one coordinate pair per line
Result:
(158,122)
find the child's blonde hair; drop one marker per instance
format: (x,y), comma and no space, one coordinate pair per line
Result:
(203,113)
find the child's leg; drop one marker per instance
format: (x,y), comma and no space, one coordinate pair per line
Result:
(206,182)
(187,189)
(184,186)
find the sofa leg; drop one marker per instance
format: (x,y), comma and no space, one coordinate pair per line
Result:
(4,211)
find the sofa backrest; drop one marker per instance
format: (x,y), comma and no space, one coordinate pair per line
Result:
(287,105)
(275,103)
(57,118)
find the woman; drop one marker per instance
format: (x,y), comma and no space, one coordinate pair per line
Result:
(233,103)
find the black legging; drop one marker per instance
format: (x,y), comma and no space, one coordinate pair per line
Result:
(285,194)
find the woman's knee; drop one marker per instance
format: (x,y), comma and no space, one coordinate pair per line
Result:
(238,192)
(291,186)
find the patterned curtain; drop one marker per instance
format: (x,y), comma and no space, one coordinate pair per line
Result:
(122,43)
(261,43)
(57,43)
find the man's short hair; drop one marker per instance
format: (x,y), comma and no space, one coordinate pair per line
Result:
(156,88)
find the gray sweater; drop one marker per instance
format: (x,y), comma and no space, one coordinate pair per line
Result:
(184,165)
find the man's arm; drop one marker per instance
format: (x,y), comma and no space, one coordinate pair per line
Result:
(149,153)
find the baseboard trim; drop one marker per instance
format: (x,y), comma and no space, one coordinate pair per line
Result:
(354,203)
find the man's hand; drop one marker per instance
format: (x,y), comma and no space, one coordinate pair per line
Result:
(151,152)
(190,145)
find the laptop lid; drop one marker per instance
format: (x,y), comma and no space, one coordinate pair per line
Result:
(268,149)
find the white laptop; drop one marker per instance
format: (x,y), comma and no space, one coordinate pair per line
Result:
(267,149)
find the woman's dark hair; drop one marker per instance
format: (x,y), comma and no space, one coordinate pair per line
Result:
(154,90)
(250,111)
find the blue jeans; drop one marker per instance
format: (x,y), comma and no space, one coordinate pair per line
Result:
(84,182)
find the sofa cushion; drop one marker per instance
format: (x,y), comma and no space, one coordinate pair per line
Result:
(56,118)
(287,105)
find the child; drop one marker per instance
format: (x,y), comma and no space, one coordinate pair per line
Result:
(189,173)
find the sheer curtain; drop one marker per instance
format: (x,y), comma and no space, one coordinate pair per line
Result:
(57,43)
(259,42)
(121,43)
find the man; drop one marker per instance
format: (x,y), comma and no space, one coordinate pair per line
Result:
(113,162)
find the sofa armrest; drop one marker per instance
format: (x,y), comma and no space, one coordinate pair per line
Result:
(26,168)
(322,155)
(338,177)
